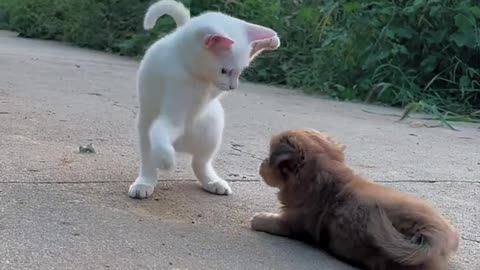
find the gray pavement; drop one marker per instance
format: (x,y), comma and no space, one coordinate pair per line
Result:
(63,210)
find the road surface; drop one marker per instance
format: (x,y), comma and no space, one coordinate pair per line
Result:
(63,210)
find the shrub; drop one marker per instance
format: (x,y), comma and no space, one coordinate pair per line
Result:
(393,51)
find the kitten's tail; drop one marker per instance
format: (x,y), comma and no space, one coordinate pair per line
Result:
(430,240)
(177,10)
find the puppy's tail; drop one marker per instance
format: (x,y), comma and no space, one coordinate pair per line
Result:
(429,240)
(175,9)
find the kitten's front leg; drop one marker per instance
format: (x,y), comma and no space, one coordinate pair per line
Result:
(147,179)
(270,223)
(156,152)
(162,135)
(206,174)
(204,140)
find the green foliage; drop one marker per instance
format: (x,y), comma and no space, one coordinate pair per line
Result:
(398,52)
(4,14)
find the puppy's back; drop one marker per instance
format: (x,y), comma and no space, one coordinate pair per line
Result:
(399,216)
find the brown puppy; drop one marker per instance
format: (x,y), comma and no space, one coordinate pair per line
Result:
(366,224)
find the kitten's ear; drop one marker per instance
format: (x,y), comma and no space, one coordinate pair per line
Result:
(284,157)
(257,32)
(217,41)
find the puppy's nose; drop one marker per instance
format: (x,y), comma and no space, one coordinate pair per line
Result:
(231,87)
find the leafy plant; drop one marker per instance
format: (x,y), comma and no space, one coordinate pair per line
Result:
(398,52)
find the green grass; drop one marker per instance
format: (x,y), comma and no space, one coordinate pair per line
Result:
(421,54)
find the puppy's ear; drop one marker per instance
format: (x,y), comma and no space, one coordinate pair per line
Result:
(339,146)
(284,157)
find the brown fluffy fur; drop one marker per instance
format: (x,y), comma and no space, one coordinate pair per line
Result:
(366,224)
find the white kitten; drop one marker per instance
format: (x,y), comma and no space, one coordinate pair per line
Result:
(179,81)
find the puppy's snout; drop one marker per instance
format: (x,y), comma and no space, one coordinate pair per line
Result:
(232,87)
(265,161)
(263,165)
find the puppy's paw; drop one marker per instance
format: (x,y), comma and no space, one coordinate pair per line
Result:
(262,221)
(141,189)
(219,187)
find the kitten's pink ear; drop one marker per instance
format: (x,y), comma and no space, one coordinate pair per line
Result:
(257,32)
(217,41)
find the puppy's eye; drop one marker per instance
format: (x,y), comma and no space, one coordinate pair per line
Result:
(224,71)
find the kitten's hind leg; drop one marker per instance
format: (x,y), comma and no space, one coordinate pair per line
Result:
(147,179)
(203,141)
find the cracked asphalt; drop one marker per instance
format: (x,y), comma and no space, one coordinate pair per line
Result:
(64,210)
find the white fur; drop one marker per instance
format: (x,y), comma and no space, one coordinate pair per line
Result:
(179,82)
(177,10)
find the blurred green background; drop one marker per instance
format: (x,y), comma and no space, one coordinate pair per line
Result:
(423,54)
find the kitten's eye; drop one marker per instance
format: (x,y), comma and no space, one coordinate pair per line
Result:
(224,71)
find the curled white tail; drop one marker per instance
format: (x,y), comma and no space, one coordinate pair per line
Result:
(166,7)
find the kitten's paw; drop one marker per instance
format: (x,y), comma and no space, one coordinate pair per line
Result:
(164,158)
(140,190)
(219,187)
